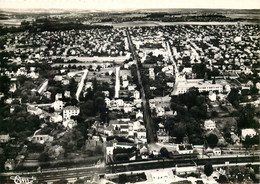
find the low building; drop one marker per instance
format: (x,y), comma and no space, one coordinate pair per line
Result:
(4,138)
(162,135)
(55,118)
(217,151)
(57,105)
(9,165)
(212,96)
(234,137)
(248,132)
(42,139)
(183,85)
(70,123)
(58,96)
(185,149)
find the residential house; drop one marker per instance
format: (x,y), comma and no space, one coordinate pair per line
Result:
(4,138)
(67,94)
(144,152)
(160,111)
(131,87)
(39,138)
(70,111)
(136,94)
(57,105)
(162,135)
(248,132)
(89,85)
(55,118)
(58,96)
(217,151)
(106,93)
(185,149)
(128,107)
(212,96)
(234,137)
(58,78)
(65,82)
(151,73)
(125,83)
(139,115)
(34,110)
(109,130)
(209,125)
(9,165)
(70,123)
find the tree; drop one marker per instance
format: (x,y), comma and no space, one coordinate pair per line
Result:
(87,109)
(208,169)
(62,181)
(44,157)
(222,179)
(233,97)
(4,84)
(164,152)
(122,178)
(212,140)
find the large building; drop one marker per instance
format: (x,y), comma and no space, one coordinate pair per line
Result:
(70,111)
(182,85)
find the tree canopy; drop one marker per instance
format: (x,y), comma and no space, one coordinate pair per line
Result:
(208,169)
(212,140)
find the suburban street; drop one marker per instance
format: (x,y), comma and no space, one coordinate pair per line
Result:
(151,135)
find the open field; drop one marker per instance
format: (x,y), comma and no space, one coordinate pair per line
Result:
(158,23)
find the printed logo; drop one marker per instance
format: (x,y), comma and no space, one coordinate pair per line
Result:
(22,180)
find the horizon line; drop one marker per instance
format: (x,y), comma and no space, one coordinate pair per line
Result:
(131,9)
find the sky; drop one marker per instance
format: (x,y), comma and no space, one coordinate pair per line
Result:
(128,4)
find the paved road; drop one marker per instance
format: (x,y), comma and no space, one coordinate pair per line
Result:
(151,134)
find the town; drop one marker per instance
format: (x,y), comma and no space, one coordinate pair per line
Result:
(140,104)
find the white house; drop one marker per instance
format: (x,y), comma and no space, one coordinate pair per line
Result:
(209,125)
(58,78)
(160,111)
(162,135)
(89,85)
(128,107)
(55,118)
(67,94)
(139,114)
(70,123)
(42,138)
(119,102)
(136,94)
(160,176)
(248,132)
(58,96)
(57,105)
(212,96)
(151,73)
(4,138)
(217,151)
(125,83)
(109,130)
(131,87)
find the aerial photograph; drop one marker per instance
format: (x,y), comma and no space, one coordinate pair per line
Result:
(129,91)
